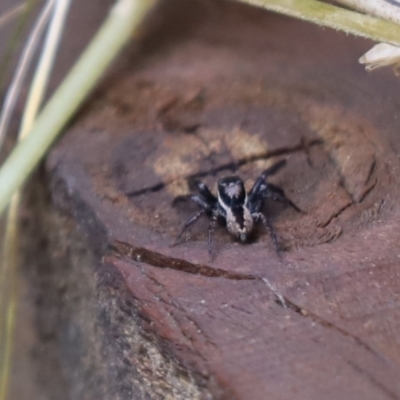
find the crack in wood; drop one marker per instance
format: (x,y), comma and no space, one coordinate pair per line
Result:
(140,254)
(171,314)
(371,171)
(289,304)
(368,190)
(343,180)
(173,303)
(373,380)
(228,166)
(336,214)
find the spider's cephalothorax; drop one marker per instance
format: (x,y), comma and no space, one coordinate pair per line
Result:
(239,210)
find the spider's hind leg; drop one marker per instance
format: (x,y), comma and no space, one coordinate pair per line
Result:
(211,228)
(269,228)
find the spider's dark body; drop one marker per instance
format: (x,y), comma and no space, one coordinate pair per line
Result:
(238,209)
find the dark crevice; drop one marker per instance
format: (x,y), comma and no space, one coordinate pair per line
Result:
(154,188)
(173,303)
(336,214)
(170,314)
(368,190)
(371,171)
(373,380)
(140,254)
(231,166)
(307,143)
(342,178)
(283,301)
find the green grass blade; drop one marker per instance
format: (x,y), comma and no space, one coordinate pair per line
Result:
(116,31)
(334,17)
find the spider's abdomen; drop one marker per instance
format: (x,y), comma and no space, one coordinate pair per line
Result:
(239,222)
(232,200)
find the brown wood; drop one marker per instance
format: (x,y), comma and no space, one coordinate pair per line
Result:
(216,88)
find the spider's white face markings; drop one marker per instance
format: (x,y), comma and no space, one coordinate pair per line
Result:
(233,190)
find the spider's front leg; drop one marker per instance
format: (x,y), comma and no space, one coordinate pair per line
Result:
(205,200)
(206,194)
(257,193)
(189,222)
(275,193)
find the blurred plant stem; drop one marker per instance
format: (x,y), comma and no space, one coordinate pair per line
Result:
(380,8)
(10,15)
(12,43)
(9,260)
(116,31)
(338,18)
(22,68)
(125,17)
(8,295)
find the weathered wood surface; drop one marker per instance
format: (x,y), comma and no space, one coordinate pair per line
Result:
(215,88)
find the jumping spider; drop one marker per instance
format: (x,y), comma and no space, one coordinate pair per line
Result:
(240,211)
